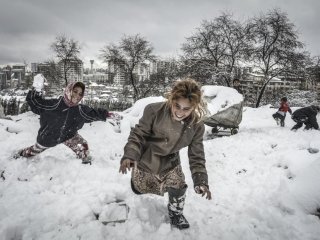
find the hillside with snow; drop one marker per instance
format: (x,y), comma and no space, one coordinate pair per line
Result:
(264,182)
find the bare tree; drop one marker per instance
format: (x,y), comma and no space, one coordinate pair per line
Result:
(131,52)
(203,51)
(216,48)
(67,51)
(276,46)
(313,71)
(198,69)
(53,73)
(166,73)
(237,39)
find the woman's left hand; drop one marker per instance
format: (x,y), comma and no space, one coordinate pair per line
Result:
(204,191)
(126,165)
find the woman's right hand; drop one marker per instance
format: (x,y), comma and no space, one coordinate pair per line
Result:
(125,165)
(204,191)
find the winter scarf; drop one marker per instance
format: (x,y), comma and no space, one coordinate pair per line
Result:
(68,93)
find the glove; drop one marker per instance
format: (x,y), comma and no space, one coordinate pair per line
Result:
(39,82)
(115,121)
(114,116)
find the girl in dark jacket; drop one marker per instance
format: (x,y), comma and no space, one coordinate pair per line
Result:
(60,120)
(153,149)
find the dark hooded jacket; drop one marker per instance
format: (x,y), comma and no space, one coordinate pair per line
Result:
(60,120)
(308,114)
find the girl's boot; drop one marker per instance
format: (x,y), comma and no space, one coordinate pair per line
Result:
(176,202)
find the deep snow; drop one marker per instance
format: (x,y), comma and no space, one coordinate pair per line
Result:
(264,183)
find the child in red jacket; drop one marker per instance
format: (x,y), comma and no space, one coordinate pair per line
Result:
(280,115)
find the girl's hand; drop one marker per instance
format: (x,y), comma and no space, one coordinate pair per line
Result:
(126,165)
(204,190)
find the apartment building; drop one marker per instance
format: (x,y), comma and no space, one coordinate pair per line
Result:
(116,73)
(98,77)
(142,70)
(73,69)
(12,76)
(254,80)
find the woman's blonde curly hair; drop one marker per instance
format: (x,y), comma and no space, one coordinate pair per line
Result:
(188,88)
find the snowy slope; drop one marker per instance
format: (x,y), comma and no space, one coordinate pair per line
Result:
(264,181)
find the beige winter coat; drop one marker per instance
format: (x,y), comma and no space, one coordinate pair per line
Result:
(156,138)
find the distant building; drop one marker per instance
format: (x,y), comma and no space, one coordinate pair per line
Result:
(12,76)
(117,73)
(295,82)
(7,72)
(162,64)
(99,78)
(252,83)
(3,80)
(255,80)
(44,68)
(18,73)
(73,69)
(34,67)
(142,70)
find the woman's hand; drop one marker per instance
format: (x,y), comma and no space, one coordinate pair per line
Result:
(204,190)
(126,165)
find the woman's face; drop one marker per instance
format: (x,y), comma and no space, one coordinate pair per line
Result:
(76,95)
(181,109)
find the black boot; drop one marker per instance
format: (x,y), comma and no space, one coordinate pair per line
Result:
(175,207)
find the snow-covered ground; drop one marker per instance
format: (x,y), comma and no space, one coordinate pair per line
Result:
(264,181)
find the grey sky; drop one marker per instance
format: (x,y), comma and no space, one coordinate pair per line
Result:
(28,27)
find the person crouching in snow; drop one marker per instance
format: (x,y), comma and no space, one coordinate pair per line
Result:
(282,111)
(60,119)
(153,148)
(307,116)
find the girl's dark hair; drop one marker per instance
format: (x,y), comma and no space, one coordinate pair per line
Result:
(81,85)
(284,99)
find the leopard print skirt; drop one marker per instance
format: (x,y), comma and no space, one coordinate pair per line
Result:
(146,182)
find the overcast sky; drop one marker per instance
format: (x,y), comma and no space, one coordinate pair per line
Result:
(28,27)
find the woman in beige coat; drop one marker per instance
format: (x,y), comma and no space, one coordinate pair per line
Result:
(153,149)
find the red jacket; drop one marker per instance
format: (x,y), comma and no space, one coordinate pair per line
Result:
(284,107)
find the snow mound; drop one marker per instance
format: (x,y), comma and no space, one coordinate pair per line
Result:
(134,113)
(219,98)
(304,189)
(137,109)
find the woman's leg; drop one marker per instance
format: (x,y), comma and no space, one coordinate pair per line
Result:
(31,151)
(308,125)
(172,182)
(177,199)
(80,146)
(282,119)
(276,117)
(176,187)
(298,124)
(144,182)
